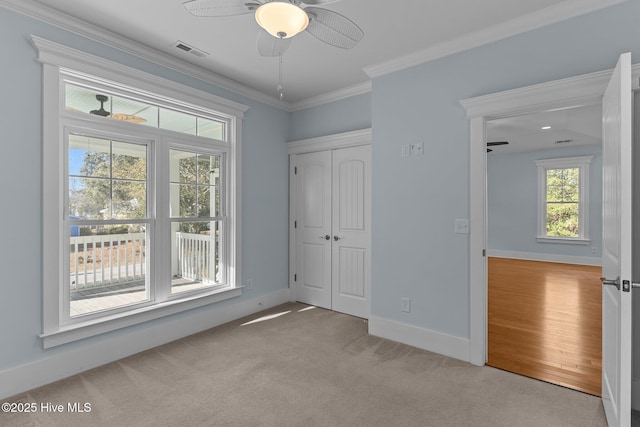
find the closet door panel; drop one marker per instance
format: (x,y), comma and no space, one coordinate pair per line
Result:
(351,224)
(313,233)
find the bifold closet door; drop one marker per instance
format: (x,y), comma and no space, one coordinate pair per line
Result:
(333,216)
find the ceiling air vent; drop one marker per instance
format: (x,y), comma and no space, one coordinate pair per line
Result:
(192,50)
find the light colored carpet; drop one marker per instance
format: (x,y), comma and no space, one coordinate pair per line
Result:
(305,367)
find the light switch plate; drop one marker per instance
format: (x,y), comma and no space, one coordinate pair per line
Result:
(462,226)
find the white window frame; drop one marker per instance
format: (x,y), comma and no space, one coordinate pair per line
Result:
(582,164)
(57,329)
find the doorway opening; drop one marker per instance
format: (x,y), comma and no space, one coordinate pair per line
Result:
(543,245)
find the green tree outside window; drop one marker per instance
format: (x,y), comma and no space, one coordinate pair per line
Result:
(563,202)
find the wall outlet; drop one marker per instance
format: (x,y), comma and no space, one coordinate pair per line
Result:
(406,150)
(594,250)
(249,284)
(405,305)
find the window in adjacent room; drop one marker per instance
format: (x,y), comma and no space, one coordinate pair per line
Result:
(563,189)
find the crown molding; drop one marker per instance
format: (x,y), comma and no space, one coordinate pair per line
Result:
(108,38)
(550,15)
(560,12)
(332,96)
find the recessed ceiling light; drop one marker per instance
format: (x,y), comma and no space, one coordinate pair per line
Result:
(545,127)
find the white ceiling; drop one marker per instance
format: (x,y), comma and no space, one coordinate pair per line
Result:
(400,31)
(572,127)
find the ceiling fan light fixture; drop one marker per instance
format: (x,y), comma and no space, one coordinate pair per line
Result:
(282,19)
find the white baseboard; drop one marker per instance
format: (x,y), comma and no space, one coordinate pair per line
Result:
(534,256)
(64,364)
(425,339)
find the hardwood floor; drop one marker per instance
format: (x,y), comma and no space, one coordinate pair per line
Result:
(545,322)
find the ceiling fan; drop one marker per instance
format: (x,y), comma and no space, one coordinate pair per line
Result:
(493,144)
(283,19)
(118,116)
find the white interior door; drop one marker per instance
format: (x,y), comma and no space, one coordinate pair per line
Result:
(313,229)
(616,242)
(351,225)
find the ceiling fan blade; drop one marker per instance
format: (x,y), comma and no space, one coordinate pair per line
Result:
(221,7)
(313,2)
(333,28)
(271,46)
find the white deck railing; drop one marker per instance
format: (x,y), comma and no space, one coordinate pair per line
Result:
(196,260)
(104,260)
(101,260)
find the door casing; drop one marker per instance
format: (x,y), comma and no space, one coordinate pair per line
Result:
(330,142)
(559,94)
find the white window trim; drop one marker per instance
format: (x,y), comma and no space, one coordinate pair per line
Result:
(54,57)
(582,163)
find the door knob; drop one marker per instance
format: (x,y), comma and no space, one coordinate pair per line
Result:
(606,282)
(327,237)
(336,238)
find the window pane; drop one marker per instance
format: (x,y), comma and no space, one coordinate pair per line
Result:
(192,194)
(85,100)
(90,198)
(188,168)
(129,200)
(210,129)
(209,201)
(562,219)
(89,156)
(206,168)
(107,267)
(107,179)
(177,121)
(571,193)
(554,193)
(101,103)
(129,161)
(204,202)
(183,201)
(195,256)
(563,185)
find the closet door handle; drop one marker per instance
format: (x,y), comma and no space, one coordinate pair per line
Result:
(336,238)
(327,237)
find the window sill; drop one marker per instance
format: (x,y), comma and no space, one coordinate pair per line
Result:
(81,330)
(564,240)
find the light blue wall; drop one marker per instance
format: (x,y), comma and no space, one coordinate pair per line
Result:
(512,202)
(353,113)
(265,190)
(415,252)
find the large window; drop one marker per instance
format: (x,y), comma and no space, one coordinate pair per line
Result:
(563,188)
(141,198)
